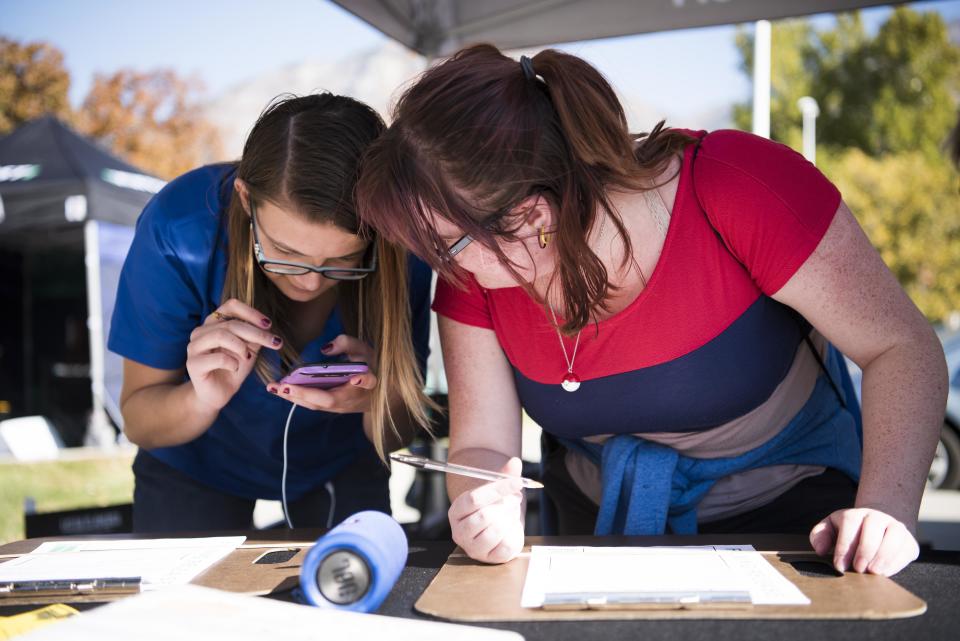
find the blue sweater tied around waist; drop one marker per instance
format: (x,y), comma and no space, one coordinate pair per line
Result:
(648,487)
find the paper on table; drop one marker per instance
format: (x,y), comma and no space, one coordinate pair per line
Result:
(562,572)
(767,585)
(193,612)
(158,562)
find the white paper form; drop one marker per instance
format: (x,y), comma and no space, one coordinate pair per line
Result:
(194,612)
(654,574)
(158,562)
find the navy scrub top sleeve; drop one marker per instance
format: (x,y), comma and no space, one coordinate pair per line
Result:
(160,297)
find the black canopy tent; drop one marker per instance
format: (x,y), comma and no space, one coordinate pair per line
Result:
(439,27)
(67,210)
(43,164)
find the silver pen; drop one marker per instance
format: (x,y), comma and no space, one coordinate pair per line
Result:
(462,470)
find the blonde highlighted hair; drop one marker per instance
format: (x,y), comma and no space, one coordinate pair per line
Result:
(303,154)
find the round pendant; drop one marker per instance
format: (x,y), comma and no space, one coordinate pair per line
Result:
(571,382)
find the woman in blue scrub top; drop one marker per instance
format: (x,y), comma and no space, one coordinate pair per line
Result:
(237,273)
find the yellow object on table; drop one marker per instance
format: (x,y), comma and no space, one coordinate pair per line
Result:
(18,624)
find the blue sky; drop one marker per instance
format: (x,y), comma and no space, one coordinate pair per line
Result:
(224,42)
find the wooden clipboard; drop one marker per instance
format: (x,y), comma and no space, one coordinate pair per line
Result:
(468,591)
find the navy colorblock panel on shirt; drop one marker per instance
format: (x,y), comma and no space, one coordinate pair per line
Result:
(707,387)
(171,280)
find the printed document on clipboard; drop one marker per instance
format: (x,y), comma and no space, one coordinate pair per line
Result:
(667,577)
(111,565)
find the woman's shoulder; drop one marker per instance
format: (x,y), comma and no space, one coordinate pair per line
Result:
(197,195)
(184,216)
(747,152)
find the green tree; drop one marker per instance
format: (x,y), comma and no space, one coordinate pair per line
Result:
(887,103)
(909,207)
(895,92)
(891,92)
(33,82)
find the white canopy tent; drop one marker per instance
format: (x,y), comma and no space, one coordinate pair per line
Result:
(439,27)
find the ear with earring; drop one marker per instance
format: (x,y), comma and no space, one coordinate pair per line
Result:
(542,237)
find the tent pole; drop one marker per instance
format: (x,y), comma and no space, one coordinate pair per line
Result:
(27,298)
(91,247)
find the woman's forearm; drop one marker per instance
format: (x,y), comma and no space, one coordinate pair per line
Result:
(165,414)
(904,395)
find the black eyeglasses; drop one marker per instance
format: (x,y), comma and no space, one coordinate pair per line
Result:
(463,241)
(290,268)
(459,246)
(490,222)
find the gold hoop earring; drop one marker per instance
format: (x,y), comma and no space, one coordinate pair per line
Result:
(542,237)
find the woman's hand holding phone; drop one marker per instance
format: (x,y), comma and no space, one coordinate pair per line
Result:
(222,352)
(354,396)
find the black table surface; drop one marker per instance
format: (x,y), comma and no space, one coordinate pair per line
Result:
(934,577)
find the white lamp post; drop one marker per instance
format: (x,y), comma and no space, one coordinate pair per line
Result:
(761,79)
(810,110)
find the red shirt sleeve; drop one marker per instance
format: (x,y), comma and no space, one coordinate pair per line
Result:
(769,204)
(470,306)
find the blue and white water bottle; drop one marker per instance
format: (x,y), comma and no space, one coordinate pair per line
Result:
(355,565)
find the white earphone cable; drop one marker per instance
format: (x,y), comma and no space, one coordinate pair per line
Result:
(283,479)
(333,502)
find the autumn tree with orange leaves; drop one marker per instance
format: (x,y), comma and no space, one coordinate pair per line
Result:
(153,120)
(33,82)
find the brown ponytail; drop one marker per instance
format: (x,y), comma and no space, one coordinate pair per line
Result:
(593,123)
(476,135)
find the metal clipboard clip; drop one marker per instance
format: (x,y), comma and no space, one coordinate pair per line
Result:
(647,601)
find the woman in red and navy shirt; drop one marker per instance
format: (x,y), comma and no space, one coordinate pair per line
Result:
(666,307)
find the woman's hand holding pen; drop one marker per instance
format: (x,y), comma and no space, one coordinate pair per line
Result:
(487,522)
(222,352)
(352,397)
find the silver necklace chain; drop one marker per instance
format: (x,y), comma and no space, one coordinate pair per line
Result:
(572,382)
(556,325)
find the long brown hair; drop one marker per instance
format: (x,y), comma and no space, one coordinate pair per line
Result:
(476,135)
(303,154)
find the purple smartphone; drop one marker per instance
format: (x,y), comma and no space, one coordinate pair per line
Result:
(324,375)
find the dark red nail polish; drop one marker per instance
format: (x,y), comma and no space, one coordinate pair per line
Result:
(286,390)
(327,347)
(276,341)
(249,355)
(272,390)
(265,322)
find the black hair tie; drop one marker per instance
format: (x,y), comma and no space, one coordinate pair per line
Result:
(526,64)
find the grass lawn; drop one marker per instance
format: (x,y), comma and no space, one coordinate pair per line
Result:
(95,480)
